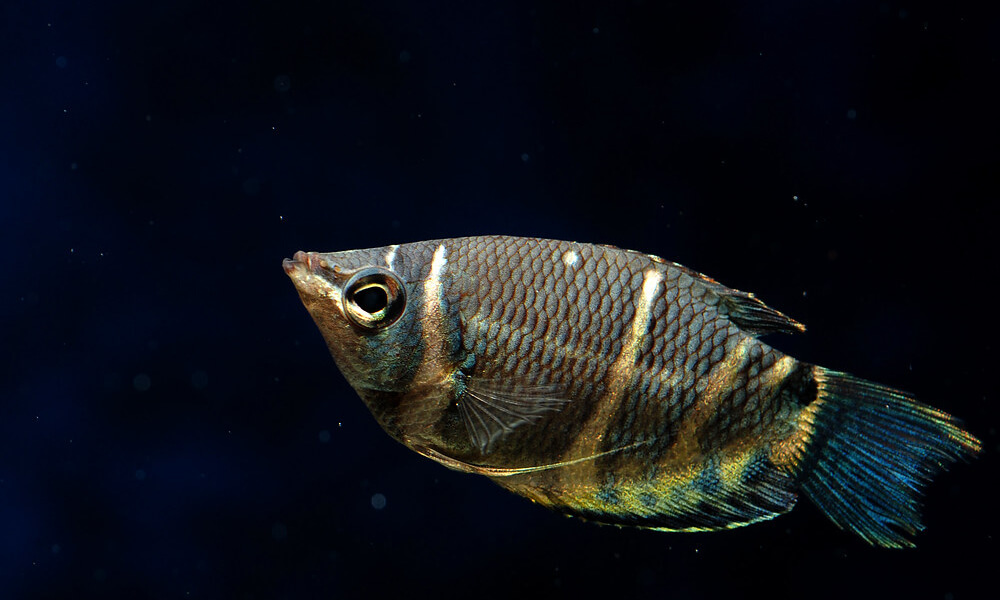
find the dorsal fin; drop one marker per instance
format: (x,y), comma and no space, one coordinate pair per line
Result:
(743,308)
(753,316)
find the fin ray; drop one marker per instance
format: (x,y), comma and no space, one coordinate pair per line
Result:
(750,314)
(491,409)
(871,452)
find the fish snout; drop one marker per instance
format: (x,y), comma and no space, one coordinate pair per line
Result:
(308,260)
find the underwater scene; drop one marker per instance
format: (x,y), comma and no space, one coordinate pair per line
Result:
(357,299)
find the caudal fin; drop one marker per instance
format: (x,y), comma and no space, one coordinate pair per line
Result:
(870,453)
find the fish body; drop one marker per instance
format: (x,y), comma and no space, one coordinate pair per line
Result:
(617,386)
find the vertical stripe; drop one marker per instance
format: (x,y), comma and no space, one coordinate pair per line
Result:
(390,256)
(619,376)
(432,325)
(419,412)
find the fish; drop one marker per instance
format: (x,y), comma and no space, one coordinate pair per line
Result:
(618,387)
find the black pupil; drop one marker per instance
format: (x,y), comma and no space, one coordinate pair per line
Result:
(371,299)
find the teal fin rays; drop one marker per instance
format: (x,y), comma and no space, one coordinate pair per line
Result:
(871,453)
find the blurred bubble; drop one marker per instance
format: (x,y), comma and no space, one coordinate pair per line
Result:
(251,187)
(282,83)
(525,157)
(279,531)
(56,548)
(324,436)
(141,382)
(61,62)
(378,501)
(199,379)
(100,575)
(404,57)
(852,114)
(140,475)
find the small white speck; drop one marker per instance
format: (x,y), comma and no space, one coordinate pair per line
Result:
(796,198)
(281,217)
(570,258)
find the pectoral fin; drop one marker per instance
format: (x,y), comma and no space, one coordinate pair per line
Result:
(492,409)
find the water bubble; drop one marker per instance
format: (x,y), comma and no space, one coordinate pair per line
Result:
(199,379)
(378,501)
(282,83)
(251,187)
(141,382)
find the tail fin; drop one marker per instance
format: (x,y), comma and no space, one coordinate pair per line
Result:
(871,451)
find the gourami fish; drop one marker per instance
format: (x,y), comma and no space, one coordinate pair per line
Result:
(617,386)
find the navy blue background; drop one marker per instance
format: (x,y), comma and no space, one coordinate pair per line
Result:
(171,425)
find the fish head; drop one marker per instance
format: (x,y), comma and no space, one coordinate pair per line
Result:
(361,306)
(371,308)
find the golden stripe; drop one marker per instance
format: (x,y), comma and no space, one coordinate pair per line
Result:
(618,378)
(390,256)
(418,413)
(720,380)
(432,323)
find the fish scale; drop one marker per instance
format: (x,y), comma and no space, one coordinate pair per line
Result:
(617,386)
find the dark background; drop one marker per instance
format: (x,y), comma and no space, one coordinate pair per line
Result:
(171,425)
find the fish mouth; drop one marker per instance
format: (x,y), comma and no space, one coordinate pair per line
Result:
(299,260)
(310,261)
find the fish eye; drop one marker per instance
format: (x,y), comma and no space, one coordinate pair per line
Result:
(372,298)
(375,298)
